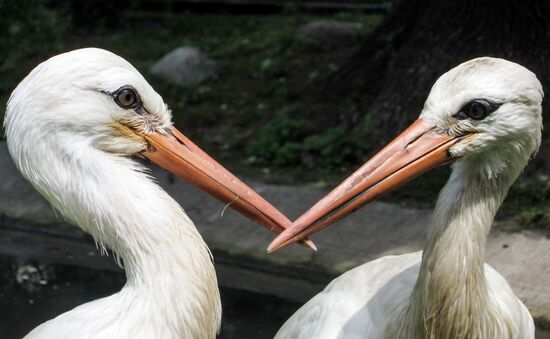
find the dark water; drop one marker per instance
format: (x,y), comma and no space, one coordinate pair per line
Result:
(31,293)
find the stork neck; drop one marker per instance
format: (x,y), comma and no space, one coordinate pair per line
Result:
(450,298)
(168,266)
(171,281)
(458,228)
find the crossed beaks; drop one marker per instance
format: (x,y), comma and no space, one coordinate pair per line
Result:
(416,150)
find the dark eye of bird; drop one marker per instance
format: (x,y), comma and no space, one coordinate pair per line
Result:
(477,109)
(126,97)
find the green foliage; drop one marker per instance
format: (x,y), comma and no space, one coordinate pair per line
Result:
(529,205)
(279,141)
(334,148)
(287,140)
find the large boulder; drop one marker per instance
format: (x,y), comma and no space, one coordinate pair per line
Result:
(184,66)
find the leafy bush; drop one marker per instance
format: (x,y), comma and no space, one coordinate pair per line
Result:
(529,203)
(287,140)
(279,141)
(333,148)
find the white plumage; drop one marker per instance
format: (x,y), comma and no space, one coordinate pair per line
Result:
(58,126)
(71,126)
(447,291)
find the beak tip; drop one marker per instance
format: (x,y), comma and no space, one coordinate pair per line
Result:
(275,245)
(280,242)
(311,245)
(272,247)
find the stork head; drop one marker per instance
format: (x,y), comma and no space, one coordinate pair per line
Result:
(484,114)
(91,100)
(494,107)
(89,96)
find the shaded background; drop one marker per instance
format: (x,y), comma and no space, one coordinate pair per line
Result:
(288,98)
(299,92)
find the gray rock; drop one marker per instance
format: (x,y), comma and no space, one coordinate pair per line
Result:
(334,33)
(184,66)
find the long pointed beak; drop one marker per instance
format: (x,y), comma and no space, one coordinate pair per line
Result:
(177,154)
(416,150)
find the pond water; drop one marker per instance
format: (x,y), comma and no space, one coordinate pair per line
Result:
(31,293)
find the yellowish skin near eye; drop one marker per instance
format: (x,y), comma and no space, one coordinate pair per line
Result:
(122,130)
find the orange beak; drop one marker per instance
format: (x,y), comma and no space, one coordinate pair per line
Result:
(177,154)
(415,151)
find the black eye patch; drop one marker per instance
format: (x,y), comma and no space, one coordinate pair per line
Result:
(477,109)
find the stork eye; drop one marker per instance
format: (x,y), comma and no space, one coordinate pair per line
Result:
(476,109)
(126,97)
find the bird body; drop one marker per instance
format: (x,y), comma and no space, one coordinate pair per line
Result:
(364,313)
(485,117)
(171,289)
(72,127)
(379,301)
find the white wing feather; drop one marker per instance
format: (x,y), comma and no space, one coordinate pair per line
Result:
(365,302)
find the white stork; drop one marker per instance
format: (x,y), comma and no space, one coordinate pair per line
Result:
(72,126)
(485,117)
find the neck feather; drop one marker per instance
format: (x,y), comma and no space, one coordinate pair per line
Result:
(450,298)
(171,281)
